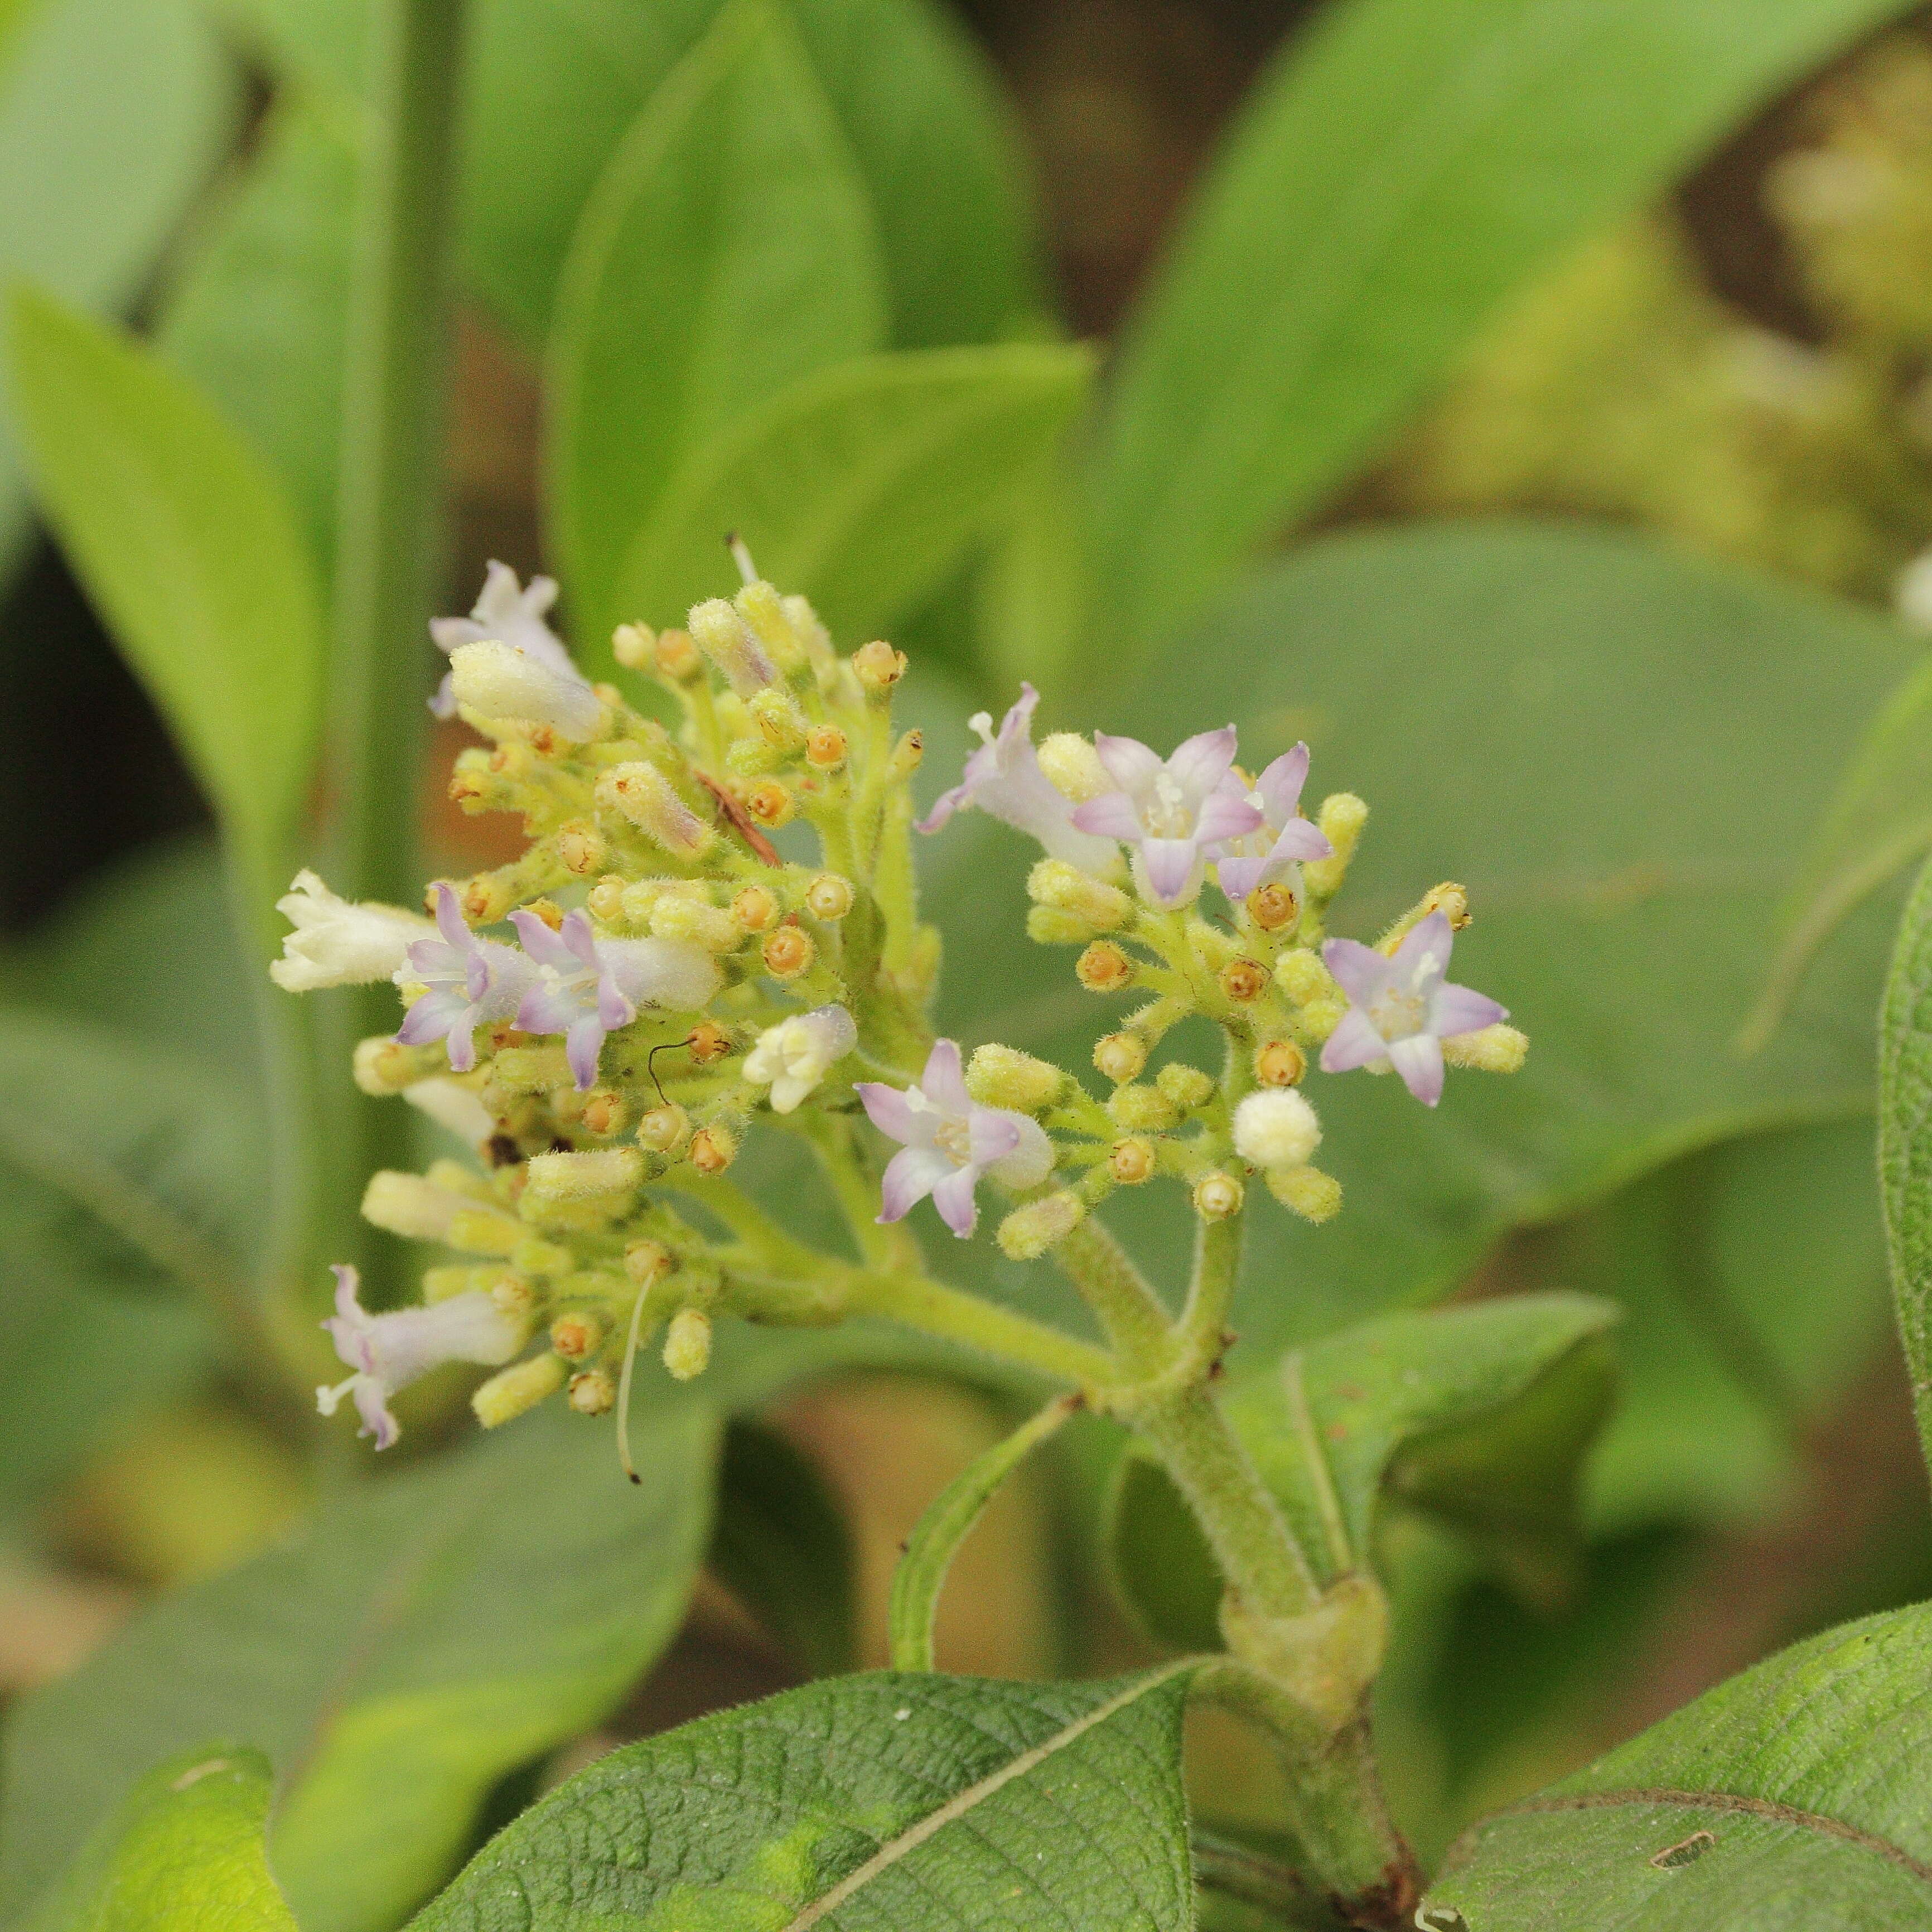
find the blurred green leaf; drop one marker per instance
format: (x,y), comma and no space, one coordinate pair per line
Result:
(728,251)
(1614,747)
(1905,1141)
(426,1633)
(862,484)
(780,1546)
(111,116)
(1795,1796)
(187,543)
(186,1847)
(1404,164)
(258,314)
(903,1799)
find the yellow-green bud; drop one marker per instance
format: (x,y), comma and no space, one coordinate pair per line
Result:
(765,616)
(634,646)
(504,1396)
(906,755)
(1003,1076)
(1217,1195)
(877,666)
(580,847)
(1280,1063)
(719,633)
(775,719)
(419,1210)
(1028,1232)
(674,917)
(638,791)
(1492,1049)
(1307,1191)
(1319,1018)
(1143,1110)
(605,1180)
(1048,925)
(531,1069)
(1185,1086)
(382,1066)
(1073,767)
(687,1349)
(534,1256)
(1120,1056)
(1053,883)
(1341,819)
(1303,977)
(713,1149)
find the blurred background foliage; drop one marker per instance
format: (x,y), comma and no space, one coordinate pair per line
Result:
(1595,620)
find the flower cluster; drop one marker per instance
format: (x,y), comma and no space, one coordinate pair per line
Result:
(606,1018)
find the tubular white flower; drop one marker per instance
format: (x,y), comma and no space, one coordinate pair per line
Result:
(505,681)
(335,943)
(1276,1128)
(792,1058)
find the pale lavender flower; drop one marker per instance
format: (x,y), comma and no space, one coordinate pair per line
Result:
(505,614)
(586,988)
(948,1141)
(1002,778)
(387,1352)
(472,982)
(1171,809)
(1283,838)
(1401,1008)
(792,1058)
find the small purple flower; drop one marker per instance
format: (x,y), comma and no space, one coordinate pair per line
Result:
(947,1141)
(1002,778)
(388,1352)
(585,987)
(1172,809)
(1283,838)
(505,614)
(471,982)
(1401,1008)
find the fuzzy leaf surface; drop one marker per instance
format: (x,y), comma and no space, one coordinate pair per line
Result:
(425,1633)
(918,1802)
(1793,1798)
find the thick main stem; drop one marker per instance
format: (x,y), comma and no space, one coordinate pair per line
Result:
(388,507)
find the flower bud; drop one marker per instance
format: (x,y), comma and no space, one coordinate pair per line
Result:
(710,926)
(789,952)
(1306,1191)
(1185,1086)
(580,846)
(1449,898)
(1073,767)
(605,1112)
(1003,1076)
(1104,908)
(829,896)
(1280,1063)
(756,909)
(687,1349)
(576,1335)
(1048,925)
(638,791)
(534,1256)
(1217,1195)
(677,658)
(1120,1056)
(504,1396)
(605,1180)
(1303,977)
(713,1149)
(593,1392)
(383,1066)
(634,646)
(502,681)
(1276,1127)
(1243,980)
(878,666)
(605,900)
(1491,1049)
(1340,820)
(776,718)
(770,804)
(662,1128)
(906,755)
(648,1262)
(486,899)
(1028,1232)
(1273,906)
(1104,968)
(1319,1018)
(417,1208)
(532,1069)
(1144,1110)
(1131,1161)
(764,615)
(825,747)
(719,632)
(549,911)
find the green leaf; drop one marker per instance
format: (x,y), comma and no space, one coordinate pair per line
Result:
(1614,747)
(912,1800)
(1402,166)
(187,543)
(1793,1796)
(946,1523)
(1480,1416)
(1905,1141)
(258,314)
(780,1546)
(427,1633)
(111,118)
(185,1847)
(728,251)
(862,485)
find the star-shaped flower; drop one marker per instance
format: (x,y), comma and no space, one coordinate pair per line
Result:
(471,982)
(1170,810)
(1283,838)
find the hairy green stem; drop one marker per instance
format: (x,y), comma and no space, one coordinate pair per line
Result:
(1129,1310)
(388,513)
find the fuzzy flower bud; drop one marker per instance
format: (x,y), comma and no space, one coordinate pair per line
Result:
(1028,1232)
(417,1208)
(1120,1056)
(1003,1076)
(1217,1195)
(1185,1086)
(907,754)
(453,1107)
(792,1058)
(687,1349)
(1306,1191)
(1073,767)
(678,659)
(634,646)
(718,632)
(1341,819)
(638,791)
(776,720)
(877,666)
(674,917)
(382,1066)
(498,681)
(605,1180)
(1303,977)
(1276,1127)
(762,611)
(1048,925)
(505,1397)
(1491,1049)
(829,896)
(335,943)
(1144,1110)
(1100,907)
